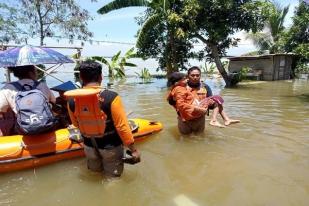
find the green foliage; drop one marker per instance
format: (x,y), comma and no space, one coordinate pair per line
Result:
(119,4)
(169,28)
(223,19)
(243,73)
(297,38)
(144,74)
(117,64)
(49,18)
(160,36)
(302,68)
(208,68)
(237,77)
(8,27)
(270,39)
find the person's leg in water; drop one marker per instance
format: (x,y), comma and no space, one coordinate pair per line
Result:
(227,120)
(213,120)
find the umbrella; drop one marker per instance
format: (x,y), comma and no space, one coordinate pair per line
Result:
(30,55)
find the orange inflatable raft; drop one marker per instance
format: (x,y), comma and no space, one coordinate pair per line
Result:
(20,152)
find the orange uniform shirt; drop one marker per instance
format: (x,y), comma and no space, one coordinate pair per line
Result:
(184,103)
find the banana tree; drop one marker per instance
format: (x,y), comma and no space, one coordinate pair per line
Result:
(144,74)
(117,64)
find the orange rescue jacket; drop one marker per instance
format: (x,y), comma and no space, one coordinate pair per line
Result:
(184,103)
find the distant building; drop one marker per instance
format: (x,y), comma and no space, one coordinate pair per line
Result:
(268,67)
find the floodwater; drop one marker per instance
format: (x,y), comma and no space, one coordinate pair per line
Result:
(262,161)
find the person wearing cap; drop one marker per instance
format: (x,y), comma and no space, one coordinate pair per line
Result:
(105,153)
(191,117)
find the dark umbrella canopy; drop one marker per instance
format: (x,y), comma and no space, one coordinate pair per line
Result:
(29,55)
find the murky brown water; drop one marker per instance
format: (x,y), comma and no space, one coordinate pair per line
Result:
(264,160)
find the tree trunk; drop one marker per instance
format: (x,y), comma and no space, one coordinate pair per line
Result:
(38,9)
(221,69)
(171,63)
(215,56)
(169,68)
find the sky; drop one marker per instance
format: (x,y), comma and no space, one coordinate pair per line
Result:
(121,26)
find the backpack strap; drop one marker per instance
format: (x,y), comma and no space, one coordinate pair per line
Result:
(35,84)
(17,86)
(20,87)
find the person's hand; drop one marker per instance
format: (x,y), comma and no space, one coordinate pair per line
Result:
(211,102)
(202,110)
(136,155)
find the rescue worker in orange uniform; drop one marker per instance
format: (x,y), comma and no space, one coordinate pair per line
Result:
(191,116)
(104,153)
(203,92)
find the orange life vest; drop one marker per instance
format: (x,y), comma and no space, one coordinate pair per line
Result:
(87,110)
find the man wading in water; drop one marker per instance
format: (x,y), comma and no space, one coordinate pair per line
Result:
(108,129)
(203,91)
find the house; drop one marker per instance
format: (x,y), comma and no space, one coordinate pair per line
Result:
(268,67)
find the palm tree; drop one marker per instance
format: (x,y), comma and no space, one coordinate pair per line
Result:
(158,15)
(268,40)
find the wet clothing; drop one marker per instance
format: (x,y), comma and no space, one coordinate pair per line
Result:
(104,153)
(196,125)
(109,161)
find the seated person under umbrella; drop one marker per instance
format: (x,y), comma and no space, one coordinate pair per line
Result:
(60,107)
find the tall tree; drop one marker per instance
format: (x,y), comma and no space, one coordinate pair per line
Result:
(269,38)
(160,36)
(49,18)
(297,38)
(215,21)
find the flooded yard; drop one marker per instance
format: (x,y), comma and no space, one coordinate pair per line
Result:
(264,160)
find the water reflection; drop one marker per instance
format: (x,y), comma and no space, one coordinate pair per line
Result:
(264,160)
